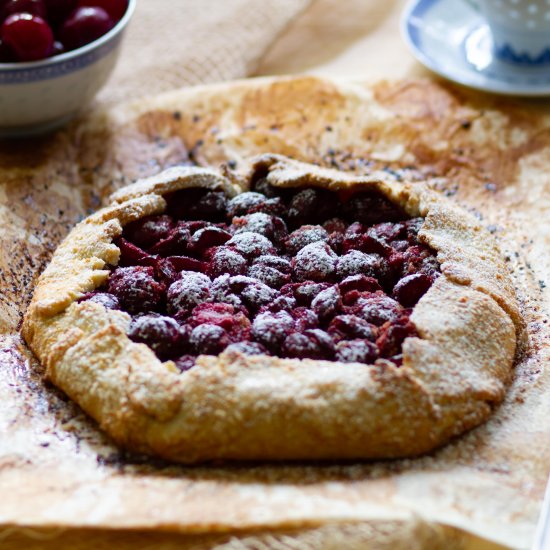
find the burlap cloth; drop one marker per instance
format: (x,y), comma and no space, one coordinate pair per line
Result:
(183,42)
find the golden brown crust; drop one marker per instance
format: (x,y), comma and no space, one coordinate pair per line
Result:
(450,378)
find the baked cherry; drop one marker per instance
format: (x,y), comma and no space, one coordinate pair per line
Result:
(366,243)
(206,238)
(412,228)
(392,335)
(162,334)
(265,188)
(242,291)
(188,291)
(356,351)
(305,292)
(276,262)
(211,205)
(271,270)
(180,202)
(418,259)
(310,206)
(108,301)
(244,203)
(28,36)
(391,269)
(359,283)
(231,319)
(256,294)
(327,303)
(377,308)
(251,202)
(311,344)
(248,348)
(130,254)
(388,232)
(226,260)
(83,26)
(149,230)
(212,313)
(169,269)
(175,243)
(315,262)
(136,289)
(356,262)
(269,275)
(336,242)
(280,303)
(400,245)
(271,227)
(349,327)
(304,318)
(270,329)
(335,225)
(307,234)
(223,291)
(411,288)
(323,339)
(209,339)
(251,245)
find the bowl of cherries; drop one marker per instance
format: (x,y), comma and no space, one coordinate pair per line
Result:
(54,57)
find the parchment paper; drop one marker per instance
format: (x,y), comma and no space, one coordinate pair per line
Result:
(57,471)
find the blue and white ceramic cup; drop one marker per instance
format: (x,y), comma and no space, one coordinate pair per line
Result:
(520,30)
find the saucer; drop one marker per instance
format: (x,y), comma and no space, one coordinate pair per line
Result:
(451,38)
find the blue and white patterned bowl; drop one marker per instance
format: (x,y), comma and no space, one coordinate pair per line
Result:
(39,96)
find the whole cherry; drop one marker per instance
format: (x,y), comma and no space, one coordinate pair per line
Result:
(34,7)
(28,36)
(83,26)
(59,9)
(115,8)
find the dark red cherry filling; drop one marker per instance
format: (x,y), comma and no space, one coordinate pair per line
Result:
(296,273)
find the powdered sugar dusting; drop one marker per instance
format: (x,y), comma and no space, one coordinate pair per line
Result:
(316,262)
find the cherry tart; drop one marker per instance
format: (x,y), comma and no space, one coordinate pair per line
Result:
(291,313)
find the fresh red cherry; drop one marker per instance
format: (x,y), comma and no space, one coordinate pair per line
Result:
(58,48)
(6,54)
(58,10)
(29,36)
(83,26)
(35,7)
(115,8)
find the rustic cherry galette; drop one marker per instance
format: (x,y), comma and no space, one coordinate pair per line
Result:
(297,313)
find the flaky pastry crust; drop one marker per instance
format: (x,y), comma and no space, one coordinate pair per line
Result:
(266,408)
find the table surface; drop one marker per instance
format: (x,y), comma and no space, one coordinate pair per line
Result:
(197,41)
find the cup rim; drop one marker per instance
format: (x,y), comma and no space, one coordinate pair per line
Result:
(16,66)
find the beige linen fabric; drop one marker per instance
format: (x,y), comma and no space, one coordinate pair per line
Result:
(174,43)
(347,38)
